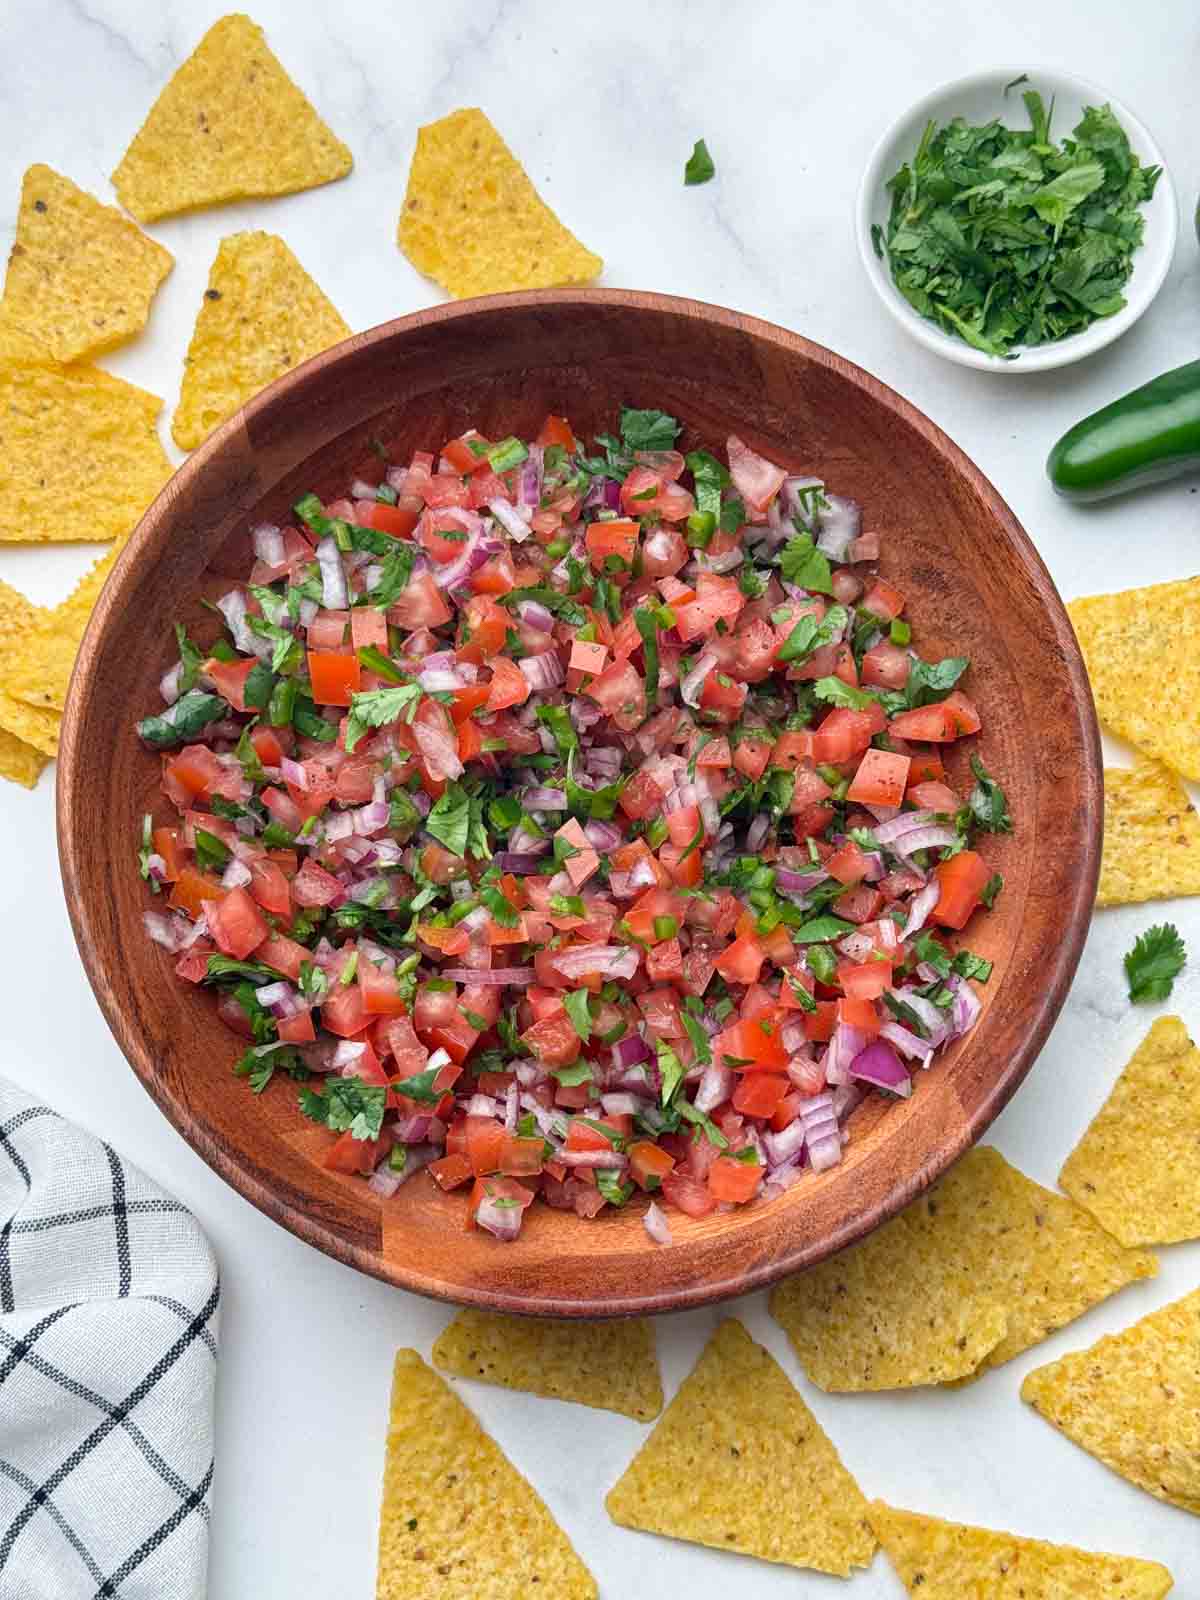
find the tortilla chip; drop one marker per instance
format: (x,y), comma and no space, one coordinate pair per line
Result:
(473,221)
(947,1561)
(37,669)
(230,125)
(261,316)
(20,762)
(1137,1168)
(1151,836)
(80,275)
(980,1267)
(458,1521)
(1133,1401)
(1142,650)
(79,457)
(611,1365)
(739,1462)
(18,346)
(18,617)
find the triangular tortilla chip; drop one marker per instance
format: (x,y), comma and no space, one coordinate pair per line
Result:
(1151,836)
(939,1560)
(81,276)
(611,1365)
(1137,1168)
(18,617)
(18,346)
(458,1521)
(1142,650)
(230,125)
(980,1267)
(1133,1401)
(473,221)
(80,458)
(37,669)
(261,316)
(739,1462)
(19,762)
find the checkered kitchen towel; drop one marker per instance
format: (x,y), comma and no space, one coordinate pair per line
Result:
(108,1329)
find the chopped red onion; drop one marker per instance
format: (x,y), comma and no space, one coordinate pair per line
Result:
(521,863)
(169,683)
(655,1223)
(715,1087)
(840,524)
(630,1051)
(611,960)
(268,544)
(440,679)
(438,750)
(934,1020)
(236,875)
(919,908)
(789,882)
(879,1064)
(907,1042)
(967,1006)
(843,1048)
(502,1221)
(232,607)
(347,1052)
(690,687)
(603,836)
(620,1103)
(786,1144)
(898,827)
(510,519)
(493,977)
(483,1105)
(542,672)
(335,592)
(613,1159)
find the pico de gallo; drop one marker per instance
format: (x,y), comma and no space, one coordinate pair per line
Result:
(573,825)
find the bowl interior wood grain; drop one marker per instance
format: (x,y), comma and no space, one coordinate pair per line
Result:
(975,586)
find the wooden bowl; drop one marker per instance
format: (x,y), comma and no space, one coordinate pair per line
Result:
(975,586)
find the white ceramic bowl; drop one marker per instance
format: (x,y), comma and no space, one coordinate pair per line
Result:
(978,99)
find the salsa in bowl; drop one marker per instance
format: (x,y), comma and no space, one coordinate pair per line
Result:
(973,588)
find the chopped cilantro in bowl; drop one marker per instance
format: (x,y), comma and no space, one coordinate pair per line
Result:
(1016,221)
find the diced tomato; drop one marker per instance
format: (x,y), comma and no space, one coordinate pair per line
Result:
(192,889)
(486,1142)
(859,904)
(313,886)
(843,735)
(354,1155)
(926,768)
(819,1024)
(368,627)
(880,779)
(616,537)
(509,685)
(733,1180)
(343,1011)
(860,1014)
(886,666)
(933,796)
(398,520)
(269,886)
(751,754)
(847,864)
(757,1094)
(741,961)
(757,480)
(380,994)
(297,1029)
(723,696)
(229,679)
(236,923)
(866,981)
(688,1195)
(961,881)
(553,1041)
(336,676)
(328,630)
(883,601)
(422,604)
(451,1171)
(619,692)
(648,1164)
(749,1045)
(557,430)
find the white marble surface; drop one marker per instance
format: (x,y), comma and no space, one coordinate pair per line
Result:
(603,103)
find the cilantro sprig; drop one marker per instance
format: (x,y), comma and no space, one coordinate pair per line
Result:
(1156,960)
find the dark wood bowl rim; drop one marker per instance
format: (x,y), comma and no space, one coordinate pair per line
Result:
(1061,961)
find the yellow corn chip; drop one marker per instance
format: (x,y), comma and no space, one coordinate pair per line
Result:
(19,762)
(1151,836)
(980,1267)
(1137,1168)
(80,459)
(19,346)
(18,616)
(739,1462)
(230,125)
(1133,1401)
(261,316)
(80,275)
(473,221)
(1142,649)
(458,1521)
(37,669)
(939,1560)
(611,1365)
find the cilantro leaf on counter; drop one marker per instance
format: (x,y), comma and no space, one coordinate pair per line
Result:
(1154,963)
